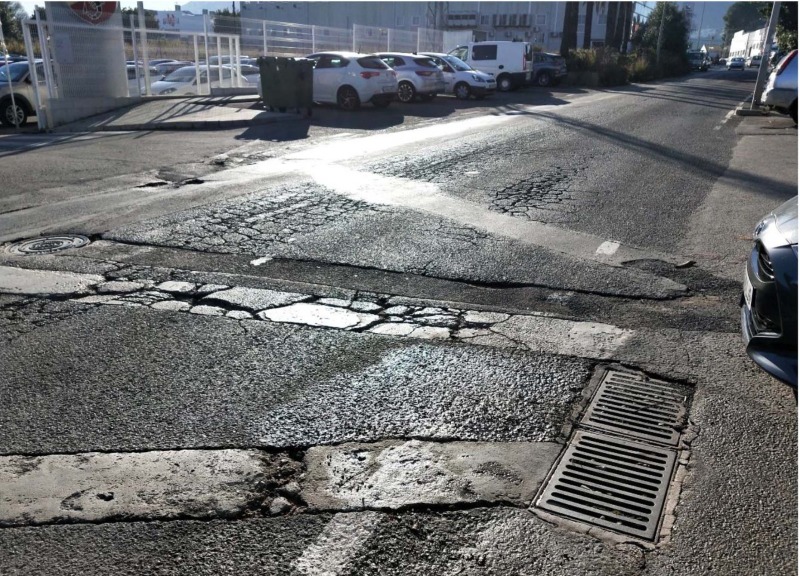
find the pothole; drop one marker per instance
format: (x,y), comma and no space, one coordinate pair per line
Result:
(47,244)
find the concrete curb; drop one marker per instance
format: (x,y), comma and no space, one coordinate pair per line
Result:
(195,124)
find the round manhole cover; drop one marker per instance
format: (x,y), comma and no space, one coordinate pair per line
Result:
(47,244)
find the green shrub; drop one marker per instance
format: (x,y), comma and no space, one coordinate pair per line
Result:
(582,61)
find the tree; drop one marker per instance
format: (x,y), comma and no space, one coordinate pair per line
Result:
(742,16)
(226,22)
(675,35)
(130,16)
(587,31)
(786,32)
(611,23)
(569,34)
(11,13)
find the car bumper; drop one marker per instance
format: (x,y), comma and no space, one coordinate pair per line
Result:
(778,98)
(769,331)
(482,89)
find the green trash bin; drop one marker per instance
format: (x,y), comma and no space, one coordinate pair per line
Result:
(287,83)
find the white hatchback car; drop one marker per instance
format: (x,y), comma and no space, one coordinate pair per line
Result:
(417,75)
(462,79)
(348,79)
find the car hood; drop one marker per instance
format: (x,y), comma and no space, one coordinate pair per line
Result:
(779,228)
(786,220)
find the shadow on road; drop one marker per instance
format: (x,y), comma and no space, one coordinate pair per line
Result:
(682,160)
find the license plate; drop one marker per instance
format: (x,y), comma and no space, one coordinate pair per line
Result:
(748,291)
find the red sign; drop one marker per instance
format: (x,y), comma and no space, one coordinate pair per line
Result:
(94,12)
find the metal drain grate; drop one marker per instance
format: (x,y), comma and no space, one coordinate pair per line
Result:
(636,406)
(47,244)
(612,483)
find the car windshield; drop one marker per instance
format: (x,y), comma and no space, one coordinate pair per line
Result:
(181,75)
(14,72)
(457,63)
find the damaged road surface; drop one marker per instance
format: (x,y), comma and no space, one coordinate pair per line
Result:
(502,342)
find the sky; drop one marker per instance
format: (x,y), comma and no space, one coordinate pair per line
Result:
(151,5)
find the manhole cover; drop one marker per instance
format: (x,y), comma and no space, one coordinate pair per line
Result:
(612,483)
(47,244)
(634,405)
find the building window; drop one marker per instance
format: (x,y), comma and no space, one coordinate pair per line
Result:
(484,20)
(399,22)
(415,20)
(541,19)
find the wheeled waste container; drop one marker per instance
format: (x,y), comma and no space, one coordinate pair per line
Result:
(287,83)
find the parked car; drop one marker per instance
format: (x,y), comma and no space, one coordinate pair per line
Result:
(183,82)
(754,61)
(737,62)
(349,79)
(461,79)
(167,68)
(17,76)
(697,60)
(511,63)
(780,92)
(417,75)
(769,295)
(134,86)
(548,69)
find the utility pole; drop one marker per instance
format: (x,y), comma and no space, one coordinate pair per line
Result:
(661,33)
(762,69)
(700,28)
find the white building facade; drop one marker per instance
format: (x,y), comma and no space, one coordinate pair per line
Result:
(747,44)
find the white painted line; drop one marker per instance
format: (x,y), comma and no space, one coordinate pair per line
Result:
(260,261)
(338,544)
(608,248)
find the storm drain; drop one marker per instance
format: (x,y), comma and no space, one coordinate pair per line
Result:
(47,244)
(616,471)
(634,405)
(611,482)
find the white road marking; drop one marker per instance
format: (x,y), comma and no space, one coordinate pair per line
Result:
(338,544)
(260,261)
(608,248)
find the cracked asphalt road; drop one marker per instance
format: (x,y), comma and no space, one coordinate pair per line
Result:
(390,336)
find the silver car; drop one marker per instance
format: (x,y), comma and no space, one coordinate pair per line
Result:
(781,90)
(417,75)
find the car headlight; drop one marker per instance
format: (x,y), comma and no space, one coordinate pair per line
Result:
(477,78)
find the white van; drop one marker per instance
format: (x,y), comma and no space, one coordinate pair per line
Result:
(510,62)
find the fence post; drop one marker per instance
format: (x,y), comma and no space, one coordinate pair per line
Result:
(418,49)
(219,64)
(388,39)
(208,58)
(264,25)
(354,37)
(41,119)
(313,38)
(196,63)
(146,60)
(136,60)
(43,46)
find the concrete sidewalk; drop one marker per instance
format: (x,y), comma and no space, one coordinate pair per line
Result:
(184,113)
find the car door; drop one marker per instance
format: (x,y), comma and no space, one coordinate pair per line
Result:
(324,76)
(448,72)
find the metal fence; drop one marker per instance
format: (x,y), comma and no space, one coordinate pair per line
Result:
(215,53)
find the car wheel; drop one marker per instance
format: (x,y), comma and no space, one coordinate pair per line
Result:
(406,92)
(793,111)
(461,91)
(544,79)
(8,112)
(504,83)
(347,98)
